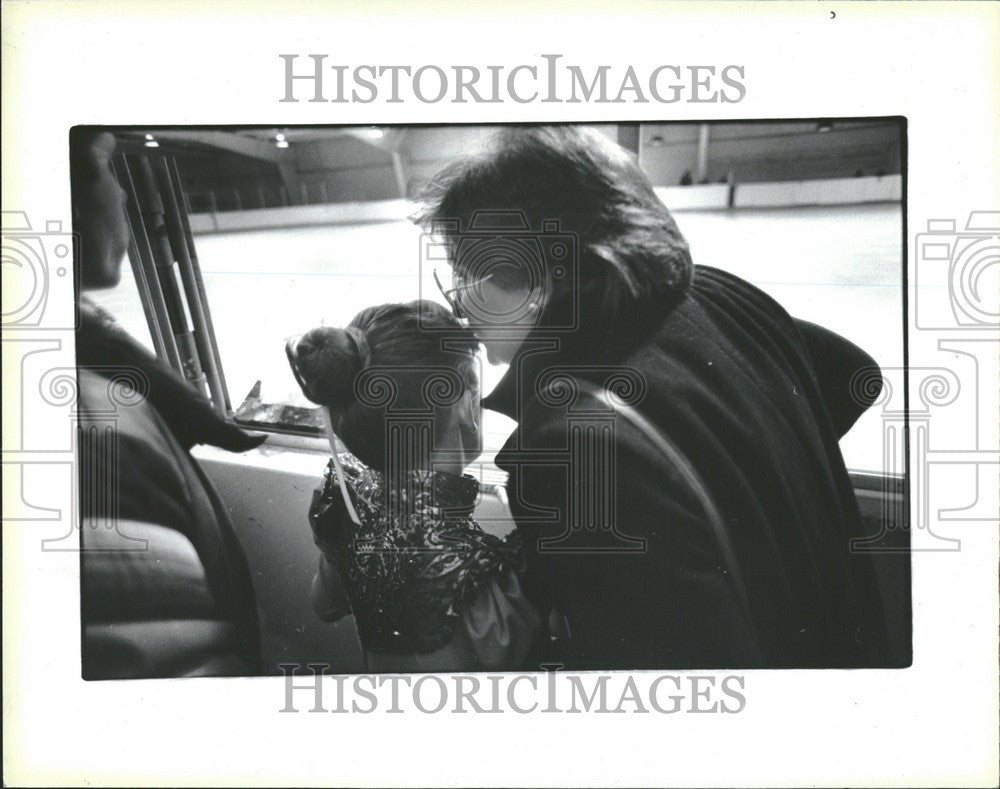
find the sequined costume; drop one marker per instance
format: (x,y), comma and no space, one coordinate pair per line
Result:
(416,558)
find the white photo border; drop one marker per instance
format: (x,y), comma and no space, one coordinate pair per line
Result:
(161,63)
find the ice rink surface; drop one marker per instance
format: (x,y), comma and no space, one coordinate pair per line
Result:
(837,266)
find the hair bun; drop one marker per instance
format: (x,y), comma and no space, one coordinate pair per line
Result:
(361,341)
(327,361)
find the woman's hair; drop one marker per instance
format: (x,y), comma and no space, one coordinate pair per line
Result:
(392,358)
(630,248)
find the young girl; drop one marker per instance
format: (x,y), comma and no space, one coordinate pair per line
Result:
(430,590)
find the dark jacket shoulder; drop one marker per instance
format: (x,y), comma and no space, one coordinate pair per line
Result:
(727,376)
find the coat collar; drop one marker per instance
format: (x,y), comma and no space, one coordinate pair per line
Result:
(594,341)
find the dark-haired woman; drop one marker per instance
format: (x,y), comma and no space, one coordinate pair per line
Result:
(430,590)
(712,528)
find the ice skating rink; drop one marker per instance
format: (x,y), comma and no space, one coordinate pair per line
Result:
(837,266)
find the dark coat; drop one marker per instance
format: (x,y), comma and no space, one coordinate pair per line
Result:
(756,402)
(165,586)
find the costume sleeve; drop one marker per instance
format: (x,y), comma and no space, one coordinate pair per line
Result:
(500,623)
(495,632)
(849,379)
(328,596)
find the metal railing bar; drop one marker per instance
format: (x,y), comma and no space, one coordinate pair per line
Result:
(144,267)
(151,207)
(195,302)
(200,286)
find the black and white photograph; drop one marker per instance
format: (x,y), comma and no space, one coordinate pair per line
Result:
(466,398)
(500,394)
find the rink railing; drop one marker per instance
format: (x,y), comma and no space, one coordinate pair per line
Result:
(697,197)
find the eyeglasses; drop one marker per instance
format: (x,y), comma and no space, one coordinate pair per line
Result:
(451,294)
